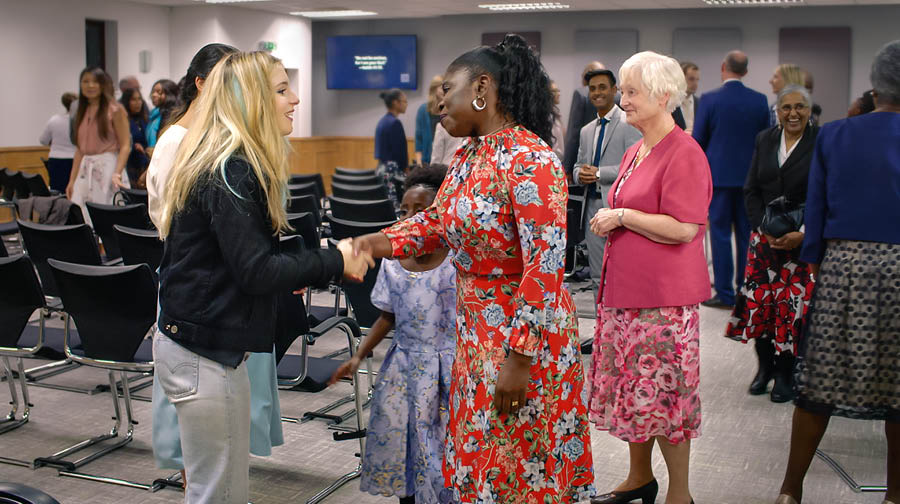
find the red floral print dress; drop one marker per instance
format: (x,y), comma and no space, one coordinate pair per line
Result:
(502,210)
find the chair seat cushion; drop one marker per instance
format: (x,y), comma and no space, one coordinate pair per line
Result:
(54,341)
(320,371)
(319,314)
(144,353)
(7,228)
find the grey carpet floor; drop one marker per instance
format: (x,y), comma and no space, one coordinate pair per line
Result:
(739,459)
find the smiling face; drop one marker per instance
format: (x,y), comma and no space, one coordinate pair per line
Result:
(285,100)
(157,95)
(457,115)
(90,86)
(602,93)
(793,113)
(640,108)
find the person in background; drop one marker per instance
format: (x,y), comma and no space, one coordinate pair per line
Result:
(391,146)
(691,101)
(444,146)
(103,143)
(726,125)
(815,112)
(862,105)
(771,306)
(408,421)
(559,133)
(134,104)
(581,112)
(129,82)
(645,365)
(58,135)
(223,266)
(785,74)
(164,96)
(427,118)
(849,360)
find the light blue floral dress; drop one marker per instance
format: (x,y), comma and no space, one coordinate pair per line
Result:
(408,422)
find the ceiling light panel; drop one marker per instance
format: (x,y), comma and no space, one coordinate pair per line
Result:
(334,13)
(726,3)
(530,6)
(234,1)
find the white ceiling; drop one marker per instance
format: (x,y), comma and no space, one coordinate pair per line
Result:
(434,8)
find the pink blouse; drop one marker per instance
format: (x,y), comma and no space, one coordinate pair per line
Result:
(674,179)
(89,140)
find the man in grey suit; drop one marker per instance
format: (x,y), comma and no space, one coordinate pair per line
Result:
(602,144)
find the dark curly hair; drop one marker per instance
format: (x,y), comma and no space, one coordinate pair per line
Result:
(523,87)
(430,176)
(201,64)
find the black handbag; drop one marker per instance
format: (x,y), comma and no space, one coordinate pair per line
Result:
(782,217)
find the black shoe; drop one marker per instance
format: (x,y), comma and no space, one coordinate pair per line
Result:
(783,390)
(765,356)
(716,302)
(587,346)
(646,494)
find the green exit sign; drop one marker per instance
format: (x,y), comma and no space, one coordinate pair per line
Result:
(267,46)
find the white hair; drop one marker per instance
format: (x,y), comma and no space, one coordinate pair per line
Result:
(658,75)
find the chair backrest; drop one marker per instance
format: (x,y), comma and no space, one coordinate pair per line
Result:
(303,189)
(305,203)
(363,211)
(344,228)
(366,192)
(113,307)
(139,246)
(134,196)
(360,180)
(18,493)
(20,296)
(11,182)
(340,170)
(35,185)
(104,217)
(359,296)
(75,244)
(3,252)
(304,225)
(303,178)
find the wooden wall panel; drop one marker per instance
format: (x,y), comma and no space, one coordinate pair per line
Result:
(26,159)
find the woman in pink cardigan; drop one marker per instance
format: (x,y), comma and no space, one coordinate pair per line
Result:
(646,359)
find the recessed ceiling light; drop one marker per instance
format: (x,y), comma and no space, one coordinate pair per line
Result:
(334,13)
(725,3)
(524,6)
(233,1)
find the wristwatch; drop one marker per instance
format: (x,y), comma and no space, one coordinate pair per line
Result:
(621,214)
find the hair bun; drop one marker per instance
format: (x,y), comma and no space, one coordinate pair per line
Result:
(512,41)
(382,95)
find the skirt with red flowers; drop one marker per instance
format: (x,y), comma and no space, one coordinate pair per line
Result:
(774,298)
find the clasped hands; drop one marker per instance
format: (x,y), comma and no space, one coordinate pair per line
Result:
(789,241)
(605,220)
(356,263)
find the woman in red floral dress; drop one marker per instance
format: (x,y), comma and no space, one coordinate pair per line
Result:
(518,430)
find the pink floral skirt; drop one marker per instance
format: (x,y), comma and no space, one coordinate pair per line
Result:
(645,373)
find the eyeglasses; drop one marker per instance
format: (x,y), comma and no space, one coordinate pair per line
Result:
(799,107)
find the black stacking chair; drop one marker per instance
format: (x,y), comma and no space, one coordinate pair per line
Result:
(34,185)
(66,243)
(304,189)
(356,179)
(366,192)
(340,170)
(345,228)
(304,225)
(302,372)
(363,211)
(303,178)
(139,246)
(134,196)
(113,330)
(104,217)
(5,184)
(10,181)
(3,252)
(16,493)
(305,203)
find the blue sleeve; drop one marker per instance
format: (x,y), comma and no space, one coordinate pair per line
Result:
(816,208)
(701,124)
(399,145)
(423,123)
(152,132)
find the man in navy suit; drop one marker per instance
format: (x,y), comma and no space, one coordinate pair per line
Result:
(726,124)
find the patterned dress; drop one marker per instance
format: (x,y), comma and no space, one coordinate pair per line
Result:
(410,407)
(502,210)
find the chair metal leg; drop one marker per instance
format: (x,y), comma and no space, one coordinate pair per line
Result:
(845,476)
(11,422)
(173,481)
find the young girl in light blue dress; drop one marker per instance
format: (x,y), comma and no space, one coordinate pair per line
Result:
(407,425)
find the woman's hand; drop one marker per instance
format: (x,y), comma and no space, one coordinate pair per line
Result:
(140,148)
(789,241)
(604,221)
(512,383)
(69,187)
(346,369)
(355,265)
(117,181)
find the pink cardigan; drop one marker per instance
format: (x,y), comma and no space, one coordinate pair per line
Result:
(674,179)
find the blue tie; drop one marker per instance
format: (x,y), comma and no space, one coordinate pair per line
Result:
(598,152)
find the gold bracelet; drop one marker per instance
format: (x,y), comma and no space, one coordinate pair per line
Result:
(621,214)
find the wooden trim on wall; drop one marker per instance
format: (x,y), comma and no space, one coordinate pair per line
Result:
(26,159)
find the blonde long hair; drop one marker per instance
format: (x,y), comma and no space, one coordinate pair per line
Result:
(791,74)
(235,117)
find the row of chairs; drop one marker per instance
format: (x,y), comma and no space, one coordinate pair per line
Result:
(20,185)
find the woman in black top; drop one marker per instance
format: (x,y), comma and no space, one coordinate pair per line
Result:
(138,116)
(774,299)
(222,269)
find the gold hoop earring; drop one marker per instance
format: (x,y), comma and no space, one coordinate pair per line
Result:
(477,107)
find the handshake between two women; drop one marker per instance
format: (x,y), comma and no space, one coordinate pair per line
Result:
(356,263)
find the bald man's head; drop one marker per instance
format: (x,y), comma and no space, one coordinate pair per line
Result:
(590,67)
(736,62)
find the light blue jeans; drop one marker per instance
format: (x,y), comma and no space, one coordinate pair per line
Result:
(213,406)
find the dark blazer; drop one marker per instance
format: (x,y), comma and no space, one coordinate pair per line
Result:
(678,117)
(580,113)
(725,125)
(767,181)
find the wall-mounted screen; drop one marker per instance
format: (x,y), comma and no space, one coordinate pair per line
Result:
(371,62)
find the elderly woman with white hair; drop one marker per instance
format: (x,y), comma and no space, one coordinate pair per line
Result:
(849,358)
(646,361)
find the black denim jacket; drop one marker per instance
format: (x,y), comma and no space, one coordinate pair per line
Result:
(223,269)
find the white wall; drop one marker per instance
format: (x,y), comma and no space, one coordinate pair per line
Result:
(43,50)
(343,112)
